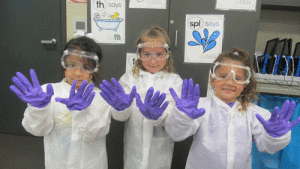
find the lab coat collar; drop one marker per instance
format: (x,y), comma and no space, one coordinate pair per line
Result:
(223,104)
(157,74)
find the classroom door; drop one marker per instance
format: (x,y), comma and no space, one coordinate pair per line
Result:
(24,24)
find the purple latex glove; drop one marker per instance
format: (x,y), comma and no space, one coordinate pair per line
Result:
(189,99)
(115,95)
(80,100)
(278,125)
(31,94)
(151,108)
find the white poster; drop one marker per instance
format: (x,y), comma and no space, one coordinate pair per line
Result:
(130,60)
(153,4)
(77,1)
(203,38)
(249,5)
(108,21)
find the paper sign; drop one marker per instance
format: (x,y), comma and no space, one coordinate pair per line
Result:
(130,60)
(77,1)
(203,38)
(108,21)
(249,5)
(151,4)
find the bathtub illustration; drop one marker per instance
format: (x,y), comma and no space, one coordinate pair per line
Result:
(107,24)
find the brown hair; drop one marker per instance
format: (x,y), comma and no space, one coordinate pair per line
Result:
(249,92)
(154,33)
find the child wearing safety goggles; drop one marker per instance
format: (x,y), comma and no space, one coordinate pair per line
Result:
(71,115)
(147,145)
(225,124)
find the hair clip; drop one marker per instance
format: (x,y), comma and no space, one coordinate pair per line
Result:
(81,33)
(235,53)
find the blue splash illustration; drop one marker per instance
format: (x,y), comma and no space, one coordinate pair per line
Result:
(208,42)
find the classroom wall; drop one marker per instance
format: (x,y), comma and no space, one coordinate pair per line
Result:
(277,24)
(74,11)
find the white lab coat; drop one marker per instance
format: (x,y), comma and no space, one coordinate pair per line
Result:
(72,139)
(147,145)
(223,136)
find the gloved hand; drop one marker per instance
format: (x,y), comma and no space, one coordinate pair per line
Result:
(189,99)
(151,108)
(31,94)
(81,99)
(115,95)
(278,125)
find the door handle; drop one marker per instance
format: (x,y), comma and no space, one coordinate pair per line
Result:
(176,35)
(49,42)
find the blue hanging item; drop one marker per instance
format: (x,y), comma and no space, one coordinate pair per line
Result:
(267,60)
(278,53)
(296,57)
(284,65)
(265,160)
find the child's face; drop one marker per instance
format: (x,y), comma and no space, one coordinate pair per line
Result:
(153,65)
(228,90)
(77,73)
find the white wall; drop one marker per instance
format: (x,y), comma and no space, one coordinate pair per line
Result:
(74,11)
(278,24)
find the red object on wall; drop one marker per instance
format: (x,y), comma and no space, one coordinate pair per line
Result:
(79,1)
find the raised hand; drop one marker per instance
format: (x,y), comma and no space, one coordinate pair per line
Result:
(151,108)
(280,124)
(32,94)
(189,99)
(80,100)
(115,95)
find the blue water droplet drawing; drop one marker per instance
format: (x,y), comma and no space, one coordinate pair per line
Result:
(206,33)
(191,43)
(208,42)
(197,36)
(210,46)
(213,36)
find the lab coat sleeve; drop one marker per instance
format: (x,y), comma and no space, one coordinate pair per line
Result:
(176,83)
(180,126)
(94,121)
(264,142)
(38,121)
(127,83)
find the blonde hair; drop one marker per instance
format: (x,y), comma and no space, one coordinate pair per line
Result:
(155,32)
(249,93)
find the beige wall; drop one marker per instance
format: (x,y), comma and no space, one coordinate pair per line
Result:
(278,24)
(74,11)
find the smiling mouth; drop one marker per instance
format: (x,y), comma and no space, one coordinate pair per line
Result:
(153,66)
(228,90)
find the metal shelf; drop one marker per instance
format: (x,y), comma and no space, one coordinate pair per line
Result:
(278,84)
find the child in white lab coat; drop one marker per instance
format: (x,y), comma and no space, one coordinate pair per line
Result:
(74,124)
(225,124)
(147,145)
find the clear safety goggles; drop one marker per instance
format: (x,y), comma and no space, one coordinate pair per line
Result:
(240,74)
(146,51)
(86,61)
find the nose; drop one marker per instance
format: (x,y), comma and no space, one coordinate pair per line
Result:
(229,81)
(78,71)
(153,59)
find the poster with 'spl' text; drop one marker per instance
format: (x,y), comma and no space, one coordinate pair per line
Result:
(203,38)
(108,21)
